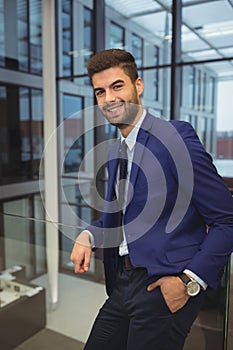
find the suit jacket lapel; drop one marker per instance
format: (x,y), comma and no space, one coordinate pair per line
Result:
(139,151)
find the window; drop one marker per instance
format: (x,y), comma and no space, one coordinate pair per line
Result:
(191,87)
(204,131)
(36,130)
(204,92)
(35,39)
(24,239)
(211,94)
(22,39)
(2,34)
(22,133)
(20,35)
(73,132)
(137,49)
(156,74)
(117,36)
(67,46)
(199,89)
(88,42)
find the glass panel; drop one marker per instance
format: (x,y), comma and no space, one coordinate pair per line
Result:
(208,328)
(2,34)
(3,133)
(23,35)
(208,30)
(155,20)
(17,235)
(24,235)
(137,49)
(37,130)
(40,241)
(156,74)
(133,8)
(230,296)
(25,128)
(20,26)
(159,106)
(188,92)
(35,16)
(14,151)
(117,36)
(214,122)
(224,128)
(67,37)
(88,39)
(73,127)
(21,126)
(80,210)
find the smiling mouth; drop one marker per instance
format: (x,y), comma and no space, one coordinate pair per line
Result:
(113,107)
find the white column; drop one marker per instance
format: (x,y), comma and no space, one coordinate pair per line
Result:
(50,155)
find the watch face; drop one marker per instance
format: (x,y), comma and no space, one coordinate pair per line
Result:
(193,288)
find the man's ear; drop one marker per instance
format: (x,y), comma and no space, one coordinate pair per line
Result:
(139,85)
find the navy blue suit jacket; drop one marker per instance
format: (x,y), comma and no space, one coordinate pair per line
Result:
(179,213)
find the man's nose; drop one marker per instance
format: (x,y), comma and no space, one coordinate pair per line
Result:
(109,96)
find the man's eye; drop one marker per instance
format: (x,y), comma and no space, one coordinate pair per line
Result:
(116,87)
(99,93)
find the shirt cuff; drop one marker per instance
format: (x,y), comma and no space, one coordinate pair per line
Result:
(196,278)
(92,241)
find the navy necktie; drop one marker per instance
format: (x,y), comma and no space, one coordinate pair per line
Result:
(123,165)
(123,170)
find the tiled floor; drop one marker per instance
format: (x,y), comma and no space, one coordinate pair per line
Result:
(79,302)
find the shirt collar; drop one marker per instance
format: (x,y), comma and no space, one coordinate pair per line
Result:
(131,139)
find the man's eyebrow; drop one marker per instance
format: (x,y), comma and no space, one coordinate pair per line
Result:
(114,83)
(117,82)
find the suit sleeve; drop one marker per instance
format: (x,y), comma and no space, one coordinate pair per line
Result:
(214,202)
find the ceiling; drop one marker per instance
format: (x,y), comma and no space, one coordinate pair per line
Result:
(207,27)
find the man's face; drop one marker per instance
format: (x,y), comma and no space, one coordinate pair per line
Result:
(117,97)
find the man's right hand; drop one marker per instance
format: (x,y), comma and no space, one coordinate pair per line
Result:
(81,253)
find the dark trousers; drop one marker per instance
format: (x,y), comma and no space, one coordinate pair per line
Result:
(134,319)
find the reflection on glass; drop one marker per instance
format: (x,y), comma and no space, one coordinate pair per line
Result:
(73,132)
(35,37)
(80,209)
(208,329)
(22,135)
(224,149)
(155,20)
(213,121)
(20,235)
(25,130)
(22,36)
(117,36)
(37,130)
(208,30)
(156,74)
(2,34)
(40,241)
(67,37)
(137,49)
(88,39)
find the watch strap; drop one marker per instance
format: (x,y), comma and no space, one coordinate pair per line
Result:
(184,278)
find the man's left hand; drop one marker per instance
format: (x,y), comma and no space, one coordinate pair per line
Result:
(173,291)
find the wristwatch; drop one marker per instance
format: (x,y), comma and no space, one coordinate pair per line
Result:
(192,286)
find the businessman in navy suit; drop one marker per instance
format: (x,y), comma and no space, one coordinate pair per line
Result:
(176,221)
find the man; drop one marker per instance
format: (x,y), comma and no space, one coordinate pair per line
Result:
(176,220)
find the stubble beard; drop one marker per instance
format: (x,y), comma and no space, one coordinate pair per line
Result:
(128,117)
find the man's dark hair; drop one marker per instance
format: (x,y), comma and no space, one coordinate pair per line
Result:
(113,58)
